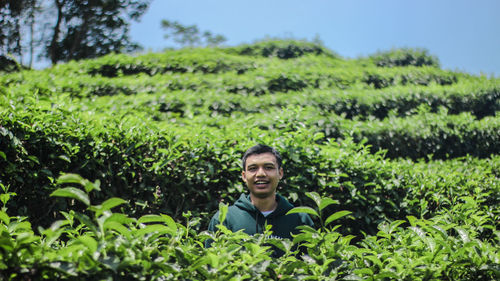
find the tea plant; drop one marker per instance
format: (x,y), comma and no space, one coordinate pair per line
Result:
(409,151)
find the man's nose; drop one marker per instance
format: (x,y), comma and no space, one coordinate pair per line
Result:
(260,172)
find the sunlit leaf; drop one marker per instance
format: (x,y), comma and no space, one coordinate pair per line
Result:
(463,234)
(120,228)
(159,218)
(325,202)
(364,271)
(4,217)
(336,216)
(154,228)
(412,220)
(71,178)
(306,210)
(108,205)
(223,208)
(87,222)
(89,242)
(315,197)
(71,192)
(77,179)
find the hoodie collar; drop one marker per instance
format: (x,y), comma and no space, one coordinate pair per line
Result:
(245,203)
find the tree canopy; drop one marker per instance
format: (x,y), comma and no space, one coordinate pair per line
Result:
(190,35)
(62,30)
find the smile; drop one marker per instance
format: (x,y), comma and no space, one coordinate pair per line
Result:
(261,182)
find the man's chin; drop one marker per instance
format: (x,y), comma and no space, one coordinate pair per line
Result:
(262,193)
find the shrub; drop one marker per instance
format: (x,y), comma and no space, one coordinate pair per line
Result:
(280,49)
(405,57)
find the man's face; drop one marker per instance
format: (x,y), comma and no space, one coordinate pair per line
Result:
(262,175)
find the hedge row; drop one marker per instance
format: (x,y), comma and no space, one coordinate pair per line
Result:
(480,97)
(105,243)
(280,49)
(177,151)
(170,170)
(424,135)
(404,57)
(255,83)
(173,61)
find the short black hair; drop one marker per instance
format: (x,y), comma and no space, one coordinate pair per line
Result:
(259,149)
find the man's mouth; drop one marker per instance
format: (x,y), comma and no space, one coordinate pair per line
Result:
(261,183)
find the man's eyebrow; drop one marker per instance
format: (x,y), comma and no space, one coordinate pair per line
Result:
(264,164)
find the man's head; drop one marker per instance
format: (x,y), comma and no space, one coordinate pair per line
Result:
(262,170)
(259,149)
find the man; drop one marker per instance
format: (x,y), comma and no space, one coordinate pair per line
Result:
(262,172)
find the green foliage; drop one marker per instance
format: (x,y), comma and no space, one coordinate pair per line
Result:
(189,35)
(8,65)
(405,57)
(282,49)
(398,167)
(78,30)
(104,244)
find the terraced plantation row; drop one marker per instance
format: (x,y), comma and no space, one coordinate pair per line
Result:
(152,145)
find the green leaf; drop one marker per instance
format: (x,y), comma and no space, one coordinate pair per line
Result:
(307,210)
(337,215)
(363,271)
(89,186)
(51,235)
(87,221)
(120,228)
(325,202)
(154,228)
(65,158)
(121,218)
(213,260)
(463,234)
(159,218)
(395,224)
(89,242)
(71,178)
(3,155)
(375,260)
(222,212)
(4,217)
(108,205)
(77,179)
(412,220)
(71,192)
(315,197)
(386,275)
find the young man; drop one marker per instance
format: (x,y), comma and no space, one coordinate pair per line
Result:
(262,172)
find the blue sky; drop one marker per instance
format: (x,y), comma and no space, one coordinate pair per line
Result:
(463,34)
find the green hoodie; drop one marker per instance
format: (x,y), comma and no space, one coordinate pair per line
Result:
(244,215)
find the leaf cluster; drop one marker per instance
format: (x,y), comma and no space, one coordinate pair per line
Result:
(104,243)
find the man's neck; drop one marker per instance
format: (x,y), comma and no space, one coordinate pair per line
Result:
(264,204)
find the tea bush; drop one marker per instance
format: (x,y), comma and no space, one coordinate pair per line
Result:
(405,57)
(144,148)
(104,244)
(281,49)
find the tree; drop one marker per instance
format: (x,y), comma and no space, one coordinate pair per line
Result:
(189,35)
(14,15)
(87,29)
(77,29)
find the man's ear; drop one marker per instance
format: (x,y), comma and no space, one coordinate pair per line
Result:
(243,176)
(281,173)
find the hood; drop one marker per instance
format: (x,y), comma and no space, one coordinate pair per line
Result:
(244,203)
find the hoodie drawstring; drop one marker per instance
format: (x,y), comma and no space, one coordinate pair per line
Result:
(256,222)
